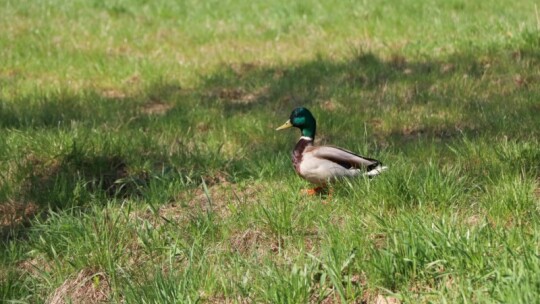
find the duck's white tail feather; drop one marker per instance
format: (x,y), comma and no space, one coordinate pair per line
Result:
(376,171)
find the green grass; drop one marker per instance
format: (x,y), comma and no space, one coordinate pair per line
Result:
(139,161)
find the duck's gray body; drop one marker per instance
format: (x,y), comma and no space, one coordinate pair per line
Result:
(324,164)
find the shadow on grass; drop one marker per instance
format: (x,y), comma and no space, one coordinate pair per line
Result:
(493,92)
(104,133)
(64,182)
(65,109)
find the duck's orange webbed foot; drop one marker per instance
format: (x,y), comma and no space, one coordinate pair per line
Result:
(315,191)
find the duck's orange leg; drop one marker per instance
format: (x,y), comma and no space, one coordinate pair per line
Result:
(314,191)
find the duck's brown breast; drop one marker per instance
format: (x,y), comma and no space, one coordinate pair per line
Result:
(298,152)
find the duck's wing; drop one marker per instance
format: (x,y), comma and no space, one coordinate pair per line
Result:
(345,158)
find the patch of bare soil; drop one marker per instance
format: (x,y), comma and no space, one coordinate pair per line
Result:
(239,95)
(331,105)
(251,241)
(113,94)
(220,199)
(378,240)
(447,68)
(332,299)
(156,108)
(243,69)
(373,297)
(225,300)
(474,220)
(380,299)
(398,61)
(13,214)
(40,170)
(88,286)
(34,265)
(414,132)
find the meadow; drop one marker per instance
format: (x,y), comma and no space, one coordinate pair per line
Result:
(139,161)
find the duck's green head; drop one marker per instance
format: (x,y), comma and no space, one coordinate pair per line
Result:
(302,119)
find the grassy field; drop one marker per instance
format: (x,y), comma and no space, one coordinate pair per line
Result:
(139,161)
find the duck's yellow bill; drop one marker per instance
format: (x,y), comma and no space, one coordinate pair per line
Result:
(286,125)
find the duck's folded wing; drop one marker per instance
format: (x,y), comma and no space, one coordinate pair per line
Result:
(345,158)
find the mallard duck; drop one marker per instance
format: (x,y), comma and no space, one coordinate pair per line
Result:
(321,165)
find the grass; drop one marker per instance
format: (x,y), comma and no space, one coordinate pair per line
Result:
(139,162)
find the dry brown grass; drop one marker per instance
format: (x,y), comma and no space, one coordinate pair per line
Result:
(253,242)
(380,299)
(88,286)
(239,95)
(225,300)
(219,199)
(113,94)
(222,198)
(331,105)
(34,266)
(156,108)
(13,214)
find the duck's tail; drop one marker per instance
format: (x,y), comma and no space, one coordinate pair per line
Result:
(375,171)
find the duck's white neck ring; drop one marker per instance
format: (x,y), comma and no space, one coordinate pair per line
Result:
(306,138)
